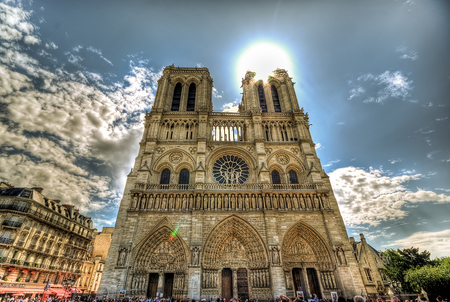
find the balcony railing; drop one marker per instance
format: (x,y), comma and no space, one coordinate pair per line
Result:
(20,243)
(14,207)
(13,224)
(32,246)
(6,240)
(219,187)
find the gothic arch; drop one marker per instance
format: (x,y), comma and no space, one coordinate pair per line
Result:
(291,156)
(303,244)
(192,79)
(275,82)
(157,251)
(230,229)
(159,163)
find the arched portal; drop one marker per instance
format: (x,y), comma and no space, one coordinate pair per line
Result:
(160,265)
(307,261)
(235,246)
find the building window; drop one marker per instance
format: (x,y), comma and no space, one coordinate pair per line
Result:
(276,177)
(184,177)
(165,177)
(191,98)
(262,98)
(383,275)
(293,179)
(276,100)
(176,97)
(368,274)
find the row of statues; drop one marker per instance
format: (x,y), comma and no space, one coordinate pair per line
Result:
(328,280)
(259,278)
(172,202)
(210,279)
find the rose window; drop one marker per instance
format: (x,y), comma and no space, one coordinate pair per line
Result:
(230,169)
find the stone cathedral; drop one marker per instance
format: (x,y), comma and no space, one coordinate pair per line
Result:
(232,204)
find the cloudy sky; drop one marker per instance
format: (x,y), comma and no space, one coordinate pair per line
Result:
(76,77)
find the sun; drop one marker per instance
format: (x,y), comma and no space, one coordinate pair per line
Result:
(263,58)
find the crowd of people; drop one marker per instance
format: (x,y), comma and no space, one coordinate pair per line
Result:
(280,298)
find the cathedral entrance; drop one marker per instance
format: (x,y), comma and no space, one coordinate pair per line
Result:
(227,284)
(152,285)
(313,281)
(168,285)
(242,284)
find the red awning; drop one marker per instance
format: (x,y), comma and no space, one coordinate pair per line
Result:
(21,290)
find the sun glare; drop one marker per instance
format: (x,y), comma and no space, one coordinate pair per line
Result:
(263,58)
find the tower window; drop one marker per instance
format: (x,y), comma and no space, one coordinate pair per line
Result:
(176,97)
(191,98)
(184,177)
(276,100)
(276,177)
(165,177)
(293,179)
(262,98)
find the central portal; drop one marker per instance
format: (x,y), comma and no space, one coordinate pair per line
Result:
(227,284)
(242,284)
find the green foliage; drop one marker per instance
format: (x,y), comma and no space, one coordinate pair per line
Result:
(433,278)
(5,278)
(402,260)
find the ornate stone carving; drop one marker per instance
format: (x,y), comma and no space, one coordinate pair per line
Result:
(122,257)
(230,169)
(340,255)
(195,256)
(176,157)
(283,159)
(275,255)
(193,150)
(160,149)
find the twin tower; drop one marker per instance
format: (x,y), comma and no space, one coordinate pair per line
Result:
(231,204)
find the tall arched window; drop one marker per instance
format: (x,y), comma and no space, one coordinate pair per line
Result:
(276,100)
(191,98)
(165,177)
(276,177)
(293,179)
(262,98)
(176,97)
(184,178)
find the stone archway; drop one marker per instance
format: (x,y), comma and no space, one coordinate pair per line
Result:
(235,245)
(160,262)
(307,261)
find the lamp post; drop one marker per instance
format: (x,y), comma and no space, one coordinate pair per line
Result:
(67,283)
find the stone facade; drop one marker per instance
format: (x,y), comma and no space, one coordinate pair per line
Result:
(40,240)
(229,204)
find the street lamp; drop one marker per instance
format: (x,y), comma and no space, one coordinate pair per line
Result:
(67,283)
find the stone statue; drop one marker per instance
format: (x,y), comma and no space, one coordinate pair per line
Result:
(164,203)
(274,201)
(134,203)
(275,255)
(198,202)
(226,203)
(233,202)
(177,202)
(157,202)
(340,255)
(195,255)
(184,202)
(260,202)
(171,202)
(246,202)
(295,202)
(281,201)
(206,202)
(219,201)
(122,258)
(288,202)
(268,203)
(191,202)
(150,202)
(316,201)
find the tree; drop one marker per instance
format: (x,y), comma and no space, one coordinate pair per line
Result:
(401,260)
(433,278)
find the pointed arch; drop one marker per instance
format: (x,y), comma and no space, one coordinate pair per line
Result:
(316,249)
(161,247)
(242,231)
(262,97)
(176,97)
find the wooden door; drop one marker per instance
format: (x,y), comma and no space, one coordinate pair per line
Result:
(152,285)
(314,287)
(242,284)
(227,284)
(297,273)
(168,285)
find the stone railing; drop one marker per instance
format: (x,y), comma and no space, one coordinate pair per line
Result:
(226,187)
(13,224)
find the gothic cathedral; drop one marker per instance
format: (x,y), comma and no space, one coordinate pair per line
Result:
(232,204)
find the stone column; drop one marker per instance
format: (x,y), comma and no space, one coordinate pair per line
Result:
(194,283)
(305,284)
(161,282)
(235,288)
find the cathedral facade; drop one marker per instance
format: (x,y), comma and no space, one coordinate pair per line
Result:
(231,204)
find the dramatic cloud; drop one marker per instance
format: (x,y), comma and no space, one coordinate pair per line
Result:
(380,88)
(231,107)
(371,197)
(438,243)
(59,129)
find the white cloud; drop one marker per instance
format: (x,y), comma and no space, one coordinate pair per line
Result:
(51,45)
(370,197)
(394,160)
(330,163)
(441,119)
(405,54)
(383,87)
(437,243)
(216,94)
(231,107)
(430,155)
(319,146)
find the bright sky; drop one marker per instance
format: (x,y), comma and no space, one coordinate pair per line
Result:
(374,76)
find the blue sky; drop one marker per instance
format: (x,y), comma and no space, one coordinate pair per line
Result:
(374,76)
